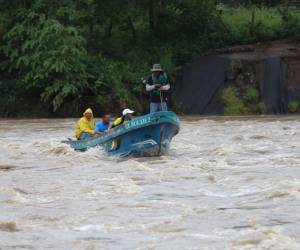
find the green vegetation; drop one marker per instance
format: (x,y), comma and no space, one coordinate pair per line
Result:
(57,57)
(234,105)
(260,23)
(242,101)
(294,106)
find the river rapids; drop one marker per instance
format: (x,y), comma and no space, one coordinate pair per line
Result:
(228,183)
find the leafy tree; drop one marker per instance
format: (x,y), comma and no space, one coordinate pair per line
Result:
(93,53)
(47,56)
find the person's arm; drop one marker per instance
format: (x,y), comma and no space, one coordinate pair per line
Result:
(166,87)
(97,127)
(150,86)
(110,126)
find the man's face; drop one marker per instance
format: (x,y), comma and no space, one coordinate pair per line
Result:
(156,73)
(128,116)
(88,116)
(106,119)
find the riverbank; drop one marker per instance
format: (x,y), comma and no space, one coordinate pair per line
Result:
(261,78)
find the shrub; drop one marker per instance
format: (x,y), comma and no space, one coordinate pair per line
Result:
(233,104)
(294,106)
(261,108)
(251,95)
(242,100)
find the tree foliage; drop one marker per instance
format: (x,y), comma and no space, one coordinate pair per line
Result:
(94,53)
(47,55)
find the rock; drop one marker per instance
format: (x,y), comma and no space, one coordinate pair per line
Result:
(5,166)
(8,226)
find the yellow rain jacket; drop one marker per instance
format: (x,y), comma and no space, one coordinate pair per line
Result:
(119,121)
(84,125)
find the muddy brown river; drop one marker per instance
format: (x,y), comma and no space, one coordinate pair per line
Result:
(228,183)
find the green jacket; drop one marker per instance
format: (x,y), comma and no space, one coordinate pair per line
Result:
(155,93)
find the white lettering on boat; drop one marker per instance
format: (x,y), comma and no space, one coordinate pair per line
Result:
(143,143)
(137,122)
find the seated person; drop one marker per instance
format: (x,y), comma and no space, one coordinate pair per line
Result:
(103,126)
(85,126)
(126,116)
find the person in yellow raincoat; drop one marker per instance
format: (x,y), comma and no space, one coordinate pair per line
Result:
(85,127)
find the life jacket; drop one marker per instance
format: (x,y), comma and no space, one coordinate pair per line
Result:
(119,121)
(155,93)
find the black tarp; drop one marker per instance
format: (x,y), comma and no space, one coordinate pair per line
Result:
(273,89)
(198,89)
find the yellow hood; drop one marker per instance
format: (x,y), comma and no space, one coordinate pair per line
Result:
(85,125)
(89,110)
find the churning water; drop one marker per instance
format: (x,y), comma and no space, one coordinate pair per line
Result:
(227,184)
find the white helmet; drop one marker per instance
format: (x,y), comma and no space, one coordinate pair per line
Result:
(127,111)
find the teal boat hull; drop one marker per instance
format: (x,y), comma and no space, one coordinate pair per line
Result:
(148,135)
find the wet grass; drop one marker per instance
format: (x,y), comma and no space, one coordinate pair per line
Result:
(251,24)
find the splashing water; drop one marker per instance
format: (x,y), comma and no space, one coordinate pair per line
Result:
(228,183)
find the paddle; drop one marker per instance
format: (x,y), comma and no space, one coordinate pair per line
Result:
(161,101)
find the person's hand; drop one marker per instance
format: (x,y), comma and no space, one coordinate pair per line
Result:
(157,86)
(97,133)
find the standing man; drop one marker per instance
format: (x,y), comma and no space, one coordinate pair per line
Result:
(158,85)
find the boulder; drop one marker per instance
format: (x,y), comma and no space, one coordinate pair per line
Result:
(5,166)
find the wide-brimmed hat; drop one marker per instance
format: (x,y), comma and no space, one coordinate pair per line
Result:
(127,111)
(156,67)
